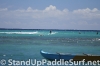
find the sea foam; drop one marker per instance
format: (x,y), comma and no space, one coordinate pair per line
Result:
(19,32)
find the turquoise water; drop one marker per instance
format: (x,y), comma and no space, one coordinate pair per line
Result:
(24,44)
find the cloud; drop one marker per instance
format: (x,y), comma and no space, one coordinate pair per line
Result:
(29,9)
(50,17)
(50,8)
(88,13)
(3,9)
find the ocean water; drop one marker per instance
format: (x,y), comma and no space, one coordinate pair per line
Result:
(25,44)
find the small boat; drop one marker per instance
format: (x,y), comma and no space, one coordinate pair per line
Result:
(67,56)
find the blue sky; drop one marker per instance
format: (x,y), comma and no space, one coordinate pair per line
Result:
(50,14)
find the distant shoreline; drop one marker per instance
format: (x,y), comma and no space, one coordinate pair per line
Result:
(47,29)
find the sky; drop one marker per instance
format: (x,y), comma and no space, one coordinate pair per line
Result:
(50,14)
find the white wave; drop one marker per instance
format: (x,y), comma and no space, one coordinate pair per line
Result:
(20,32)
(98,39)
(53,32)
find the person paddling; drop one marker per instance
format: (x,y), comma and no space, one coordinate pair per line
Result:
(97,33)
(50,31)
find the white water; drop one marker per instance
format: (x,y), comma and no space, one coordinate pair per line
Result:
(19,32)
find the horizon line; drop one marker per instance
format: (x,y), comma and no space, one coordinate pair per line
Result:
(41,29)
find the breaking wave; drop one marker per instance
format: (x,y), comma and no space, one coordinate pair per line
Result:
(53,32)
(19,32)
